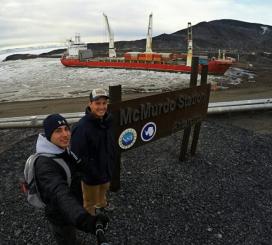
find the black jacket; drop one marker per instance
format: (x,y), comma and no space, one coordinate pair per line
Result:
(93,141)
(63,205)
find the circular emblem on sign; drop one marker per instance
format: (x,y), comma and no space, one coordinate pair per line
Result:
(127,138)
(148,131)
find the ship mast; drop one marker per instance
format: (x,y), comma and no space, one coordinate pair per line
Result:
(112,52)
(148,48)
(190,45)
(77,38)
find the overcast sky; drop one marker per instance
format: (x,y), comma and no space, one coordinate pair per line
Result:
(25,22)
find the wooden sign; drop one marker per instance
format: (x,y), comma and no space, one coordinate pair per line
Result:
(143,120)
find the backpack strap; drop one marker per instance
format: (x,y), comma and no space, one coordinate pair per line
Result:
(62,163)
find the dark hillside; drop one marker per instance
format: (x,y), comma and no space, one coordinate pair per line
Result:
(231,35)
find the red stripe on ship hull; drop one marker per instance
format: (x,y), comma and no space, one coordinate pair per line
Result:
(214,67)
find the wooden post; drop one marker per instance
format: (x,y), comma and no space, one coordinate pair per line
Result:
(187,131)
(204,75)
(194,72)
(115,95)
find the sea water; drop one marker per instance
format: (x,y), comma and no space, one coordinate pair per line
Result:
(46,78)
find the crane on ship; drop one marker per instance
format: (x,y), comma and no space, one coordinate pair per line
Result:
(148,48)
(190,45)
(112,52)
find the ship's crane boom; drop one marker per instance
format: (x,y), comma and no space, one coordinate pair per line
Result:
(112,52)
(190,45)
(148,48)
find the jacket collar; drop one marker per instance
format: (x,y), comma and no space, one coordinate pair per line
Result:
(45,146)
(106,120)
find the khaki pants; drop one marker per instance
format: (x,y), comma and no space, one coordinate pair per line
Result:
(94,196)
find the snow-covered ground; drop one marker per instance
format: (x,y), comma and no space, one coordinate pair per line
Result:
(47,78)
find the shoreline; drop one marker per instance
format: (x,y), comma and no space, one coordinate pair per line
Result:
(78,104)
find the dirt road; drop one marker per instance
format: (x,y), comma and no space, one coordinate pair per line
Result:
(41,107)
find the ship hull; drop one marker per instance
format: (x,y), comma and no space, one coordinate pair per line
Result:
(214,67)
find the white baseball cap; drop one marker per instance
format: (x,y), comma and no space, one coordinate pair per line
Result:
(98,93)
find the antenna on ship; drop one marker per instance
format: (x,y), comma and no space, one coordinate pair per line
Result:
(148,48)
(190,45)
(112,52)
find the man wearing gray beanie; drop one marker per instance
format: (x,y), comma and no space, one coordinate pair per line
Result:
(63,209)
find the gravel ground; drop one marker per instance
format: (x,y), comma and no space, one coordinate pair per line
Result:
(220,196)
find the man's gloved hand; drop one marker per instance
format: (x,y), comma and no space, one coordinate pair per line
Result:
(102,221)
(91,223)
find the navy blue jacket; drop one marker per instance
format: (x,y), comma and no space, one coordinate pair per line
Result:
(63,202)
(93,142)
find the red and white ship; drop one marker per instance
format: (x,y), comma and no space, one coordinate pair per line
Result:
(78,55)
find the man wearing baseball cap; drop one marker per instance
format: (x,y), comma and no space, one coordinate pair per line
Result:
(63,209)
(93,141)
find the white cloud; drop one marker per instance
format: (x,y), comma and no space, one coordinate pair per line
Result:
(33,21)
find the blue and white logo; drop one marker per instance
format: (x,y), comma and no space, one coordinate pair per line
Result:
(127,138)
(148,131)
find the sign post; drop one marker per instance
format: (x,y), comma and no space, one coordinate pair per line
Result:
(115,95)
(187,131)
(204,74)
